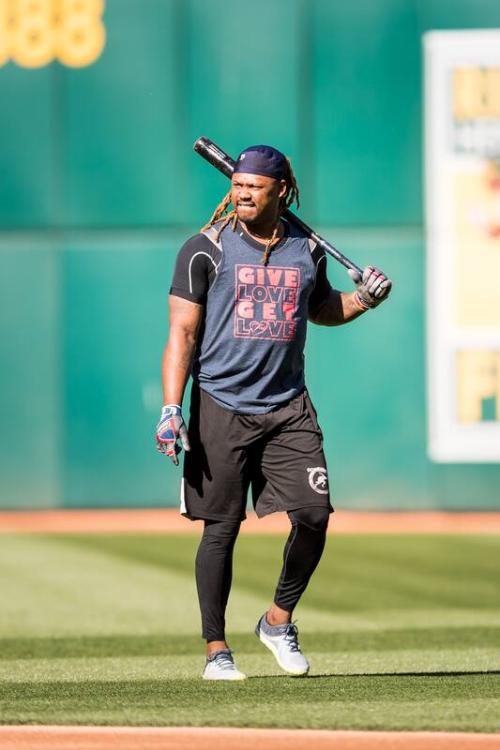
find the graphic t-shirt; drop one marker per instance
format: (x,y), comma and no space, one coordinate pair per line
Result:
(250,349)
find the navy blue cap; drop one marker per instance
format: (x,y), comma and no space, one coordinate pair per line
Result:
(264,160)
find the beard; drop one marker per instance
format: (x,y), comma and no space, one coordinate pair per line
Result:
(251,216)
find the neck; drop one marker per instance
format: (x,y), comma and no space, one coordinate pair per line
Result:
(263,232)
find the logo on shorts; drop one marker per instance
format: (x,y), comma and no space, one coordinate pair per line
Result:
(318,479)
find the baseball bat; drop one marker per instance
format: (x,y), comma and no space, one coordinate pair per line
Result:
(223,162)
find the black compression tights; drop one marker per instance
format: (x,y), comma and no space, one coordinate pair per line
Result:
(214,564)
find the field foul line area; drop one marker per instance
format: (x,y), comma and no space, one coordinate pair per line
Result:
(198,738)
(169,520)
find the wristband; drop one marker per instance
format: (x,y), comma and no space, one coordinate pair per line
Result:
(361,302)
(174,407)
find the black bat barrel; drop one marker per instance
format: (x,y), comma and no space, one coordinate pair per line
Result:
(215,155)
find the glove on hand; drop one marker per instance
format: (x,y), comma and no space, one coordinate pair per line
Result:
(372,288)
(169,429)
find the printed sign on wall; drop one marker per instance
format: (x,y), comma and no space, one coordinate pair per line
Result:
(462,128)
(33,33)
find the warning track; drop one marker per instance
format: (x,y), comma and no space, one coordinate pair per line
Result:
(169,520)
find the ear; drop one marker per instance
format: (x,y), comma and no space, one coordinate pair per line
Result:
(283,189)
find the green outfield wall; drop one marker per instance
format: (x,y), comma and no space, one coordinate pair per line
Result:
(99,186)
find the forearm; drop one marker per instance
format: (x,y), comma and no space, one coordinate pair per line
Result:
(338,308)
(176,365)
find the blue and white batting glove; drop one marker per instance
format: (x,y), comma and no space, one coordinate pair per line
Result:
(372,288)
(169,429)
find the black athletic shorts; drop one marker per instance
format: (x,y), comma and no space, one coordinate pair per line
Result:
(279,455)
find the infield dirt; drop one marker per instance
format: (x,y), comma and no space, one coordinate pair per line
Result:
(199,738)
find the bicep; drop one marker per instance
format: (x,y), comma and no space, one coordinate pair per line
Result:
(322,290)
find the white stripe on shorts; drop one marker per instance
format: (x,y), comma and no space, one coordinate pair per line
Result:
(183,508)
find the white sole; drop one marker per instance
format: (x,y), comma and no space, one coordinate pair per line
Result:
(270,645)
(224,679)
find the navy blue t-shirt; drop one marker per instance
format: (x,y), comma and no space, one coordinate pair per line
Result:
(250,349)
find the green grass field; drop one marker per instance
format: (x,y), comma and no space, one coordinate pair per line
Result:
(402,633)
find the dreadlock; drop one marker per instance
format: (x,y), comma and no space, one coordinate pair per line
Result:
(231,217)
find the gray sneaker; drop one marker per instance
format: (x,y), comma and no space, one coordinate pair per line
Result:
(282,640)
(220,666)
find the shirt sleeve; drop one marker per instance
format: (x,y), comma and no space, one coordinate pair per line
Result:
(322,287)
(195,269)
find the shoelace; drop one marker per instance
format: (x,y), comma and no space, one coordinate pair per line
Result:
(291,635)
(224,659)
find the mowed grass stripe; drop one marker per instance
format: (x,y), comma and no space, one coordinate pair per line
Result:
(370,571)
(317,689)
(52,588)
(63,586)
(89,585)
(430,702)
(103,669)
(425,639)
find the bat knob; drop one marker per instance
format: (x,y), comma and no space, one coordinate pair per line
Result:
(201,143)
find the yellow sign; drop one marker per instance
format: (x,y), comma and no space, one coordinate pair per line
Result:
(33,33)
(476,92)
(477,269)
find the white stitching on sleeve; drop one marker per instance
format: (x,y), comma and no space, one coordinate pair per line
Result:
(200,252)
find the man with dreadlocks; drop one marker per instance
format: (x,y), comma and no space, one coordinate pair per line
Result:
(242,292)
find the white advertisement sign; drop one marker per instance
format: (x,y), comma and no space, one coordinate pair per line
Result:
(462,161)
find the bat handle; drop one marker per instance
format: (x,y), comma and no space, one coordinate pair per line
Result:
(321,242)
(340,257)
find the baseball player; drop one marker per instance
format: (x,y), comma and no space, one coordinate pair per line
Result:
(242,292)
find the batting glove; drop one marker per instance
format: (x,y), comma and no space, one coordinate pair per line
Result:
(372,288)
(169,429)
